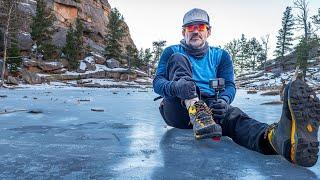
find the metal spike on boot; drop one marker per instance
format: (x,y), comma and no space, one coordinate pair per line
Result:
(295,136)
(203,124)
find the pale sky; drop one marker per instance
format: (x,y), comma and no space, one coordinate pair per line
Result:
(152,20)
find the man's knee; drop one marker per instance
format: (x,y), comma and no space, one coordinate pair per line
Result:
(179,59)
(174,114)
(179,67)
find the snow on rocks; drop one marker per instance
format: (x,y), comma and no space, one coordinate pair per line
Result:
(267,80)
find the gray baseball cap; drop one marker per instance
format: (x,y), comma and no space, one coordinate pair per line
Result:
(195,16)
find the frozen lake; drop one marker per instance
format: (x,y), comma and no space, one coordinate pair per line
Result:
(128,140)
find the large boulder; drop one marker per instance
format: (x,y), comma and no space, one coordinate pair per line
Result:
(90,63)
(112,63)
(50,66)
(1,66)
(29,62)
(12,80)
(98,59)
(25,41)
(82,67)
(31,78)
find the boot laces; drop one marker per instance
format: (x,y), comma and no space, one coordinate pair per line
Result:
(202,108)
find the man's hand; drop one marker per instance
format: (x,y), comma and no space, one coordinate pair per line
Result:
(219,109)
(184,88)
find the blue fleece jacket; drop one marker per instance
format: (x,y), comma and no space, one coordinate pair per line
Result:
(215,64)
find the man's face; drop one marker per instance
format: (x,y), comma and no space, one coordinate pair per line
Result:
(196,35)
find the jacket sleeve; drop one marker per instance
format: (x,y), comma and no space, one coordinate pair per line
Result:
(161,84)
(225,70)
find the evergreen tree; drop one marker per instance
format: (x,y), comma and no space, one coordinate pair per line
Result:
(147,57)
(70,50)
(254,51)
(302,51)
(42,29)
(74,49)
(14,60)
(265,43)
(141,56)
(233,48)
(132,55)
(115,34)
(285,36)
(157,51)
(243,53)
(79,39)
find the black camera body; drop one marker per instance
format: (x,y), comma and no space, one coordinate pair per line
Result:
(217,85)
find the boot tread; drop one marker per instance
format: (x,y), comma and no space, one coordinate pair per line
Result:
(306,146)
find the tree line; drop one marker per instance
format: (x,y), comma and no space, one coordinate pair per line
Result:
(251,54)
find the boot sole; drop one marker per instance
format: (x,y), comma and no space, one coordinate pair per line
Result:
(304,107)
(211,131)
(207,136)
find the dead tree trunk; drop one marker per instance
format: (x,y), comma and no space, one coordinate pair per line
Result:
(5,41)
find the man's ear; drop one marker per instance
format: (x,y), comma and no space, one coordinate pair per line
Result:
(209,32)
(183,32)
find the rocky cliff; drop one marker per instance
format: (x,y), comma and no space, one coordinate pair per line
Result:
(93,13)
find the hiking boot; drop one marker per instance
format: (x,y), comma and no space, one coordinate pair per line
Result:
(295,136)
(202,121)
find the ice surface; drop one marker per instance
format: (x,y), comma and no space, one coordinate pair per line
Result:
(129,140)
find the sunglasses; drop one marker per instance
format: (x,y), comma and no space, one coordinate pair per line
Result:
(200,27)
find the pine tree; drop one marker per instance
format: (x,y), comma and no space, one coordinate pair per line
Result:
(78,33)
(14,60)
(243,53)
(254,51)
(147,56)
(132,55)
(285,37)
(42,29)
(233,48)
(74,49)
(157,51)
(141,56)
(302,51)
(115,34)
(265,43)
(70,50)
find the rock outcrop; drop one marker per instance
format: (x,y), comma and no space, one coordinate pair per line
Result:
(93,14)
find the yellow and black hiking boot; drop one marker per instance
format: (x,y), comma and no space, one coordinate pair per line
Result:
(295,136)
(203,124)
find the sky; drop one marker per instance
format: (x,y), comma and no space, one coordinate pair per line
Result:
(153,20)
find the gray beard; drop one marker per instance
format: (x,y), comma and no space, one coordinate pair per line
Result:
(196,47)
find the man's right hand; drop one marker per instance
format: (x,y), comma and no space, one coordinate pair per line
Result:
(184,88)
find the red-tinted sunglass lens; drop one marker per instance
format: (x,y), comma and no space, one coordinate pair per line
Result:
(190,28)
(202,27)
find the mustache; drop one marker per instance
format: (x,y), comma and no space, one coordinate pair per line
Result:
(196,35)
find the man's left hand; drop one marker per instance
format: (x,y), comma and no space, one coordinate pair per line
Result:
(219,109)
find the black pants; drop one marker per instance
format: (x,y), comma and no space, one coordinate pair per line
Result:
(237,125)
